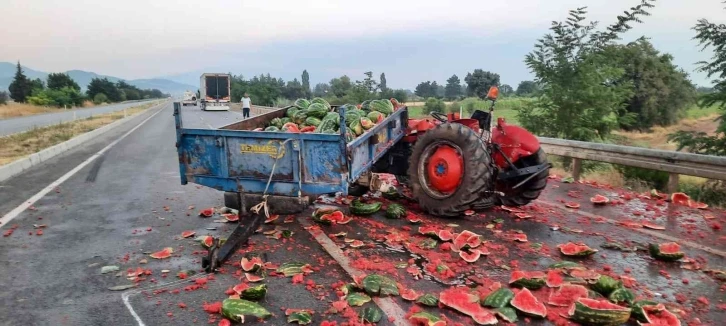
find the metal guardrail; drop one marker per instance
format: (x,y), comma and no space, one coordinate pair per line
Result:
(675,163)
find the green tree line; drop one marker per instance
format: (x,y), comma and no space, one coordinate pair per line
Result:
(60,90)
(270,91)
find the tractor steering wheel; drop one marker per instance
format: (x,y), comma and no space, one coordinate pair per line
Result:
(439,116)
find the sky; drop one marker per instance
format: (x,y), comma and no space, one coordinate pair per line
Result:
(410,40)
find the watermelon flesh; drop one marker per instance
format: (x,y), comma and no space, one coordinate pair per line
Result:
(658,315)
(445,235)
(567,295)
(461,300)
(470,257)
(164,253)
(680,198)
(528,304)
(554,278)
(207,212)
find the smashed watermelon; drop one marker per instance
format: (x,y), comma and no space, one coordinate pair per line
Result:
(188,234)
(470,257)
(567,295)
(164,253)
(576,249)
(207,212)
(658,315)
(598,312)
(252,264)
(461,300)
(554,278)
(466,240)
(445,235)
(528,304)
(599,200)
(680,198)
(669,251)
(531,280)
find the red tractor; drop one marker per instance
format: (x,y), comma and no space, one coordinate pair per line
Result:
(453,164)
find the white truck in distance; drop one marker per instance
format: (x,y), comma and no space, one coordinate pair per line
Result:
(215,91)
(189,99)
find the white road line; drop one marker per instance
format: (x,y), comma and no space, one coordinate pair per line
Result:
(643,231)
(125,297)
(388,305)
(32,200)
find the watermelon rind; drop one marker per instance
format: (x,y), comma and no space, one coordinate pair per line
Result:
(637,309)
(508,314)
(499,298)
(428,299)
(658,315)
(622,295)
(395,211)
(606,285)
(426,318)
(587,312)
(236,309)
(467,303)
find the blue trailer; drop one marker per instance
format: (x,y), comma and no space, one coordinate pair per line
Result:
(302,166)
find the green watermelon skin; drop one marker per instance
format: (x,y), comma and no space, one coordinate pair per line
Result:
(316,110)
(312,121)
(383,106)
(302,103)
(322,101)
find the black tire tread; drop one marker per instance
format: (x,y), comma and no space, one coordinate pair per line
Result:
(477,173)
(532,189)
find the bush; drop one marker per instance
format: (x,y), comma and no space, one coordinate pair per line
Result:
(712,192)
(434,105)
(100,98)
(655,179)
(454,107)
(40,99)
(3,98)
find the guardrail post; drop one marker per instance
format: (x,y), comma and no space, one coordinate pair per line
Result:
(576,168)
(673,182)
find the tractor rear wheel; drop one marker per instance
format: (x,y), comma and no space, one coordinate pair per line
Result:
(448,169)
(528,191)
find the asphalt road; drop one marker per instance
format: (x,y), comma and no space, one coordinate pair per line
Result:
(20,124)
(128,203)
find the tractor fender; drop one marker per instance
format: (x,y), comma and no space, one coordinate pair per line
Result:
(515,142)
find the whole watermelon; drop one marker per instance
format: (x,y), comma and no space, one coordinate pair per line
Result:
(291,112)
(366,123)
(376,116)
(312,121)
(321,101)
(316,110)
(285,120)
(327,125)
(356,127)
(302,103)
(351,116)
(299,117)
(365,105)
(383,106)
(277,122)
(272,128)
(334,116)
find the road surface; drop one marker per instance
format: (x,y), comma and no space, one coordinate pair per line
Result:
(128,202)
(20,124)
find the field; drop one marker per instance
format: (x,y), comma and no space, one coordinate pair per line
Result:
(13,110)
(18,146)
(505,107)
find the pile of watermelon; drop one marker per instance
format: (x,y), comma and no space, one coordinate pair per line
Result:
(318,116)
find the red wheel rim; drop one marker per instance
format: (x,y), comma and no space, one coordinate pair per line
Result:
(444,169)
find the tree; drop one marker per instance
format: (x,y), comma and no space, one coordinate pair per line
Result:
(306,83)
(106,87)
(710,35)
(453,88)
(59,80)
(479,82)
(340,86)
(527,88)
(100,98)
(36,85)
(662,91)
(426,89)
(321,90)
(294,90)
(506,90)
(368,83)
(382,85)
(21,87)
(401,95)
(579,96)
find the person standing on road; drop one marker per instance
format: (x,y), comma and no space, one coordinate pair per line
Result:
(246,104)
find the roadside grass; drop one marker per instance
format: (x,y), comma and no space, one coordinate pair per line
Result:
(13,110)
(20,145)
(505,107)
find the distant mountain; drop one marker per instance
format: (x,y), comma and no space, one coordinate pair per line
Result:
(83,78)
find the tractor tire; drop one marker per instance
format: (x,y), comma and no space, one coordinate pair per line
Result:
(231,200)
(528,191)
(475,172)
